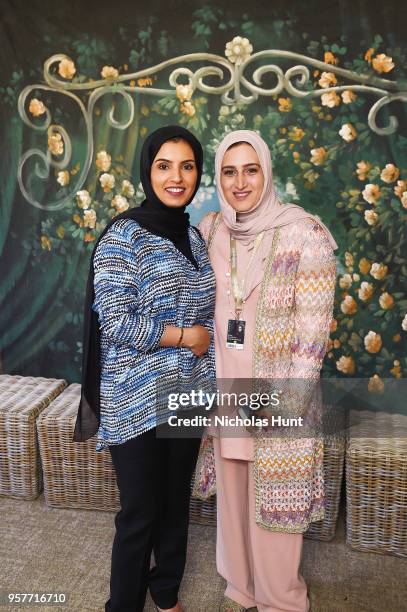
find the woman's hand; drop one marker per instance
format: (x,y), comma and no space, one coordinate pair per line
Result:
(197,339)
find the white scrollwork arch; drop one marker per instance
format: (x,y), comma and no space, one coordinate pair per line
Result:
(232,75)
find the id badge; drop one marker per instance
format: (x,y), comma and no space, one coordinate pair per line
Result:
(235,336)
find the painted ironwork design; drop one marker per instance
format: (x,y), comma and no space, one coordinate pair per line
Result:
(233,86)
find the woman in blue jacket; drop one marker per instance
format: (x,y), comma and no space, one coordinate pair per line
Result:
(148,325)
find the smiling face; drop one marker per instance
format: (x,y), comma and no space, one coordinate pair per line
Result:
(242,178)
(174,173)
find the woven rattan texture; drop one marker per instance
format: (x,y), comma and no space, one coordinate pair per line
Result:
(75,475)
(22,398)
(376,483)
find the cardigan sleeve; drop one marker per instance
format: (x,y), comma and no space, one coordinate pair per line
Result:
(313,311)
(116,294)
(314,300)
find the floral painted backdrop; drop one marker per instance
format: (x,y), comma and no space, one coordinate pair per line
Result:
(326,157)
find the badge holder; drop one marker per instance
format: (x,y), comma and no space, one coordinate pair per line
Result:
(235,335)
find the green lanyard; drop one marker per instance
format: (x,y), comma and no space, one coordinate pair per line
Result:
(238,288)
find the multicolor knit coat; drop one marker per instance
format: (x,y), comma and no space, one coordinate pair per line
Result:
(293,318)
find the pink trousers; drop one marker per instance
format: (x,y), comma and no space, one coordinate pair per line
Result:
(261,567)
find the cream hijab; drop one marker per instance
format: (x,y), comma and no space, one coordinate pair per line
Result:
(269,213)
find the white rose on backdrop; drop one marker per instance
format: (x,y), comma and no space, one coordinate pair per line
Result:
(390,173)
(373,342)
(66,69)
(37,107)
(348,96)
(382,63)
(371,217)
(348,132)
(107,181)
(330,99)
(120,203)
(83,199)
(89,218)
(365,291)
(109,72)
(346,365)
(63,178)
(103,161)
(291,190)
(55,143)
(371,193)
(328,79)
(378,271)
(345,281)
(127,189)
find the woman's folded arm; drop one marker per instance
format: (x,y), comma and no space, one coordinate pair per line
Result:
(116,295)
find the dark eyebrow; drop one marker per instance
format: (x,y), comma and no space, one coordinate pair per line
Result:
(244,165)
(184,161)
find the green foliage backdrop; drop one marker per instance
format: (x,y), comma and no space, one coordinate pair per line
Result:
(325,158)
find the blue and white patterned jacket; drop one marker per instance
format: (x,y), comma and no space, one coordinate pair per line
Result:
(142,283)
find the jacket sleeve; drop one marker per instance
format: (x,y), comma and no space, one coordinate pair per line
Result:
(313,311)
(116,294)
(314,300)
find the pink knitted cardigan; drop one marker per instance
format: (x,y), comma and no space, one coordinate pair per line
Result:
(293,318)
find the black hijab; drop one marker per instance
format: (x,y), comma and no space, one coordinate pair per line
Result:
(157,218)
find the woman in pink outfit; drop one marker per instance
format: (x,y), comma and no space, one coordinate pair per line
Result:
(275,277)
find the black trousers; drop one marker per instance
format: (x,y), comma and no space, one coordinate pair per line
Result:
(153,476)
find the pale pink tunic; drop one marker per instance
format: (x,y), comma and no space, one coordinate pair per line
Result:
(234,363)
